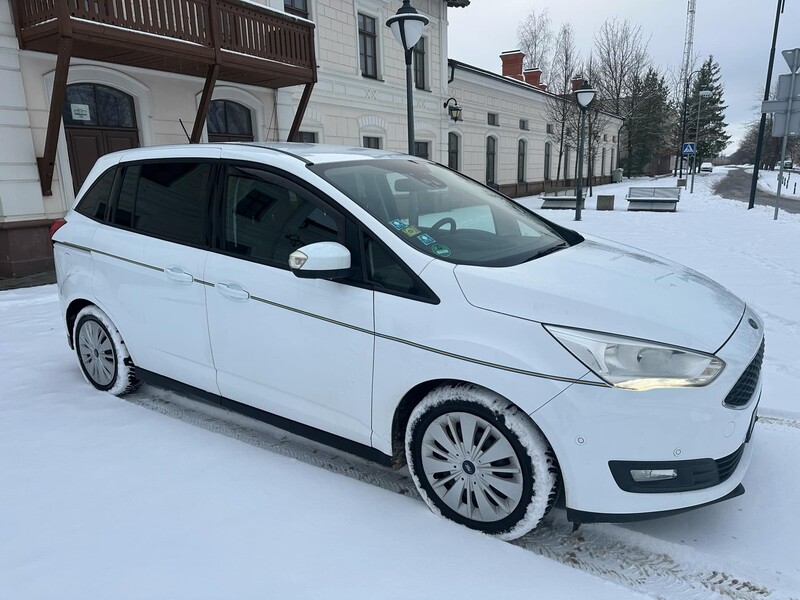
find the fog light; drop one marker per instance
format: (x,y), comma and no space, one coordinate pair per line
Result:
(643,475)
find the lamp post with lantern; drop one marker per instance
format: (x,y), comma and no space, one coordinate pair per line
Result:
(584,96)
(407,25)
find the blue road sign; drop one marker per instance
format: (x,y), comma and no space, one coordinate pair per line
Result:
(688,148)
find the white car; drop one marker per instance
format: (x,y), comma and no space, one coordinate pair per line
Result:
(394,308)
(706,167)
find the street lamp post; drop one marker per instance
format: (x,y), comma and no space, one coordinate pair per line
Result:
(701,94)
(406,26)
(584,96)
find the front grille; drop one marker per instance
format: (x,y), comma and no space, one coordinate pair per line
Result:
(727,465)
(742,392)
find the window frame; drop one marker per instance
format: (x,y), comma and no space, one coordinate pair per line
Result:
(524,125)
(427,146)
(548,160)
(306,132)
(522,160)
(208,220)
(115,183)
(379,139)
(419,64)
(251,137)
(364,35)
(290,8)
(491,181)
(452,135)
(493,119)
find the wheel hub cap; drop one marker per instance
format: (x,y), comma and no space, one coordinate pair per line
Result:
(471,466)
(97,353)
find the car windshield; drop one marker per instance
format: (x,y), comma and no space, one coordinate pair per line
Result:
(442,213)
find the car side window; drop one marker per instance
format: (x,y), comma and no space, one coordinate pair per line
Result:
(388,274)
(266,218)
(95,202)
(165,199)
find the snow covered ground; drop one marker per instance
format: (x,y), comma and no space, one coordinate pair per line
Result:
(108,498)
(768,181)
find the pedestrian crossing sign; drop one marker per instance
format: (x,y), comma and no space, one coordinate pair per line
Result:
(688,148)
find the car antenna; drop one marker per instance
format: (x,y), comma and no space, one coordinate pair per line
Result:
(189,139)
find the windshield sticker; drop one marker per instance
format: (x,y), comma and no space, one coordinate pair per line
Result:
(398,224)
(440,250)
(411,231)
(426,239)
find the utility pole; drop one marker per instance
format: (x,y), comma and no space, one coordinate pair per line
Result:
(762,125)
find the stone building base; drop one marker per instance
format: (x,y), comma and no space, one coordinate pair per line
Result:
(25,248)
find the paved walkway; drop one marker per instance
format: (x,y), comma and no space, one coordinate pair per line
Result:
(11,283)
(736,186)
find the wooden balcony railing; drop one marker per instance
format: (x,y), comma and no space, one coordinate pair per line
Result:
(243,28)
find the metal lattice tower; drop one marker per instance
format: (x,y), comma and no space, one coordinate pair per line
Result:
(688,44)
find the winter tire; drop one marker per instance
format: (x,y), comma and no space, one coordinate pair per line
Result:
(480,461)
(102,354)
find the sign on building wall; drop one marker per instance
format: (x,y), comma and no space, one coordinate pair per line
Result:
(80,112)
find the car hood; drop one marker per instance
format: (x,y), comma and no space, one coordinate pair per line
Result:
(608,287)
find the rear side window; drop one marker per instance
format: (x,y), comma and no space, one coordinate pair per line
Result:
(166,199)
(95,202)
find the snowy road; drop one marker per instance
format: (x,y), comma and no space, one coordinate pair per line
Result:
(101,498)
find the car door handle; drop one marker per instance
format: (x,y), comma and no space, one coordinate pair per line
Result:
(178,274)
(233,291)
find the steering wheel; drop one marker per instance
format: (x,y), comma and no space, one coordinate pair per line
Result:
(444,221)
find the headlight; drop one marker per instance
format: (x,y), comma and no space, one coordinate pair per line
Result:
(636,364)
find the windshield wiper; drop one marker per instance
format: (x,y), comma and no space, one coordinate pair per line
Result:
(547,251)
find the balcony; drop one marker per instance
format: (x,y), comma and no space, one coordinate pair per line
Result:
(252,45)
(229,40)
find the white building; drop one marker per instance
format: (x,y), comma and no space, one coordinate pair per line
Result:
(78,80)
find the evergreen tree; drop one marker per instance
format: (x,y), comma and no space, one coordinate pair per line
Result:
(649,123)
(712,137)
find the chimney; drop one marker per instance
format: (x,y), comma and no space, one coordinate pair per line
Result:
(542,86)
(512,64)
(532,76)
(577,82)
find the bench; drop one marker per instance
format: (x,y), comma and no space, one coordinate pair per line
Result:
(560,199)
(653,198)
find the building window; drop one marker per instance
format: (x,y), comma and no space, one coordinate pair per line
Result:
(605,137)
(603,162)
(494,119)
(452,151)
(421,149)
(566,163)
(229,121)
(522,159)
(547,151)
(550,128)
(296,7)
(306,137)
(612,159)
(614,139)
(523,124)
(371,142)
(419,64)
(368,46)
(491,160)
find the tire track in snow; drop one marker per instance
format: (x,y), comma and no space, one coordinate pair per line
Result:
(645,565)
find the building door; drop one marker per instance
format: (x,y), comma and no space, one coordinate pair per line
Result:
(97,120)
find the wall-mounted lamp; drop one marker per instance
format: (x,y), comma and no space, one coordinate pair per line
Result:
(454,110)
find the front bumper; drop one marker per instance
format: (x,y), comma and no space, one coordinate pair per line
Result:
(597,432)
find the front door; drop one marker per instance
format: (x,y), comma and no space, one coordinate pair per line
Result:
(97,120)
(298,348)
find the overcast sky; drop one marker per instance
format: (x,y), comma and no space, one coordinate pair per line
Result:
(737,32)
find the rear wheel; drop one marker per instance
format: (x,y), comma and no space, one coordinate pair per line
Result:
(102,354)
(480,461)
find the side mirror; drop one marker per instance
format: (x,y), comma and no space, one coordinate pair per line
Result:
(322,260)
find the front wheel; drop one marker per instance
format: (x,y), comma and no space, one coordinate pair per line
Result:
(102,354)
(480,461)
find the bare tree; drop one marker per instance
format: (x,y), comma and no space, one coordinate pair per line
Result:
(622,58)
(560,109)
(535,39)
